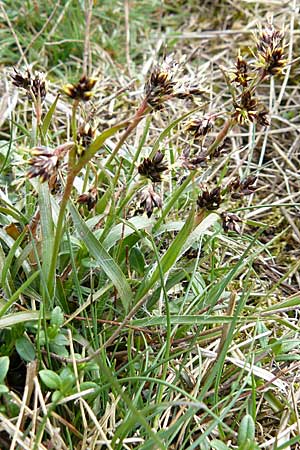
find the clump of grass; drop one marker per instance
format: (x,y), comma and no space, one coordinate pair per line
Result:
(135,306)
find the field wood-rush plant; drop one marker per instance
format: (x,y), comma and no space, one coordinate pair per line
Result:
(149,230)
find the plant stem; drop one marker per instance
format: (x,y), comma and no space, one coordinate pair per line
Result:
(59,231)
(74,169)
(143,109)
(221,135)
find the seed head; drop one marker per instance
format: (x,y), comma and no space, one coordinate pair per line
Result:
(153,168)
(35,85)
(210,199)
(191,163)
(39,88)
(222,149)
(90,198)
(230,222)
(149,200)
(81,90)
(270,53)
(239,188)
(161,82)
(200,126)
(54,183)
(85,137)
(262,117)
(43,164)
(241,76)
(21,80)
(246,109)
(187,89)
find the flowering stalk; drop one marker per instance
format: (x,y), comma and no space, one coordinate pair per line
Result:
(160,87)
(81,91)
(140,114)
(221,135)
(73,172)
(72,153)
(59,231)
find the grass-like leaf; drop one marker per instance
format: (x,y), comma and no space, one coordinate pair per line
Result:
(169,258)
(103,259)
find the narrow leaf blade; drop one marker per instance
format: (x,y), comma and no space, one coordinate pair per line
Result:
(103,258)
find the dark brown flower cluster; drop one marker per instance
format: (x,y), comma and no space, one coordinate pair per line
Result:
(200,126)
(270,53)
(153,168)
(230,222)
(149,200)
(192,162)
(222,149)
(239,188)
(248,109)
(34,85)
(245,110)
(81,90)
(90,198)
(43,164)
(210,199)
(188,90)
(241,73)
(262,116)
(161,82)
(85,137)
(164,83)
(45,161)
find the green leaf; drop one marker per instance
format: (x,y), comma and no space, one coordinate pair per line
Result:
(11,254)
(294,301)
(89,385)
(60,350)
(3,389)
(9,210)
(47,227)
(125,229)
(24,129)
(5,149)
(173,199)
(289,443)
(16,294)
(181,320)
(25,349)
(246,433)
(21,317)
(48,116)
(60,339)
(103,259)
(137,261)
(97,144)
(218,445)
(56,396)
(103,201)
(200,230)
(170,256)
(67,379)
(4,365)
(50,379)
(261,329)
(57,317)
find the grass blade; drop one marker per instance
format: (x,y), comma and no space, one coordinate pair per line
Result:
(170,257)
(49,115)
(103,259)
